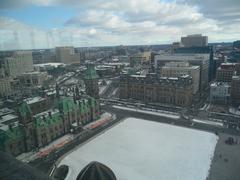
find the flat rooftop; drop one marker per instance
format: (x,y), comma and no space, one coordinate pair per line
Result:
(8,117)
(5,111)
(145,150)
(34,100)
(49,64)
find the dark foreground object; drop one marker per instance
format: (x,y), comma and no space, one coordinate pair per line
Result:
(12,169)
(96,171)
(61,172)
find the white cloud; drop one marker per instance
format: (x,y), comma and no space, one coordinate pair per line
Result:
(104,22)
(17,35)
(92,31)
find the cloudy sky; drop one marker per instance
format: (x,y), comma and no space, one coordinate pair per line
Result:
(27,24)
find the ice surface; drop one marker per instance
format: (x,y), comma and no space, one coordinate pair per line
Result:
(137,149)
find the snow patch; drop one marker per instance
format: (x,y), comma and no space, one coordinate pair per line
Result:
(234,111)
(172,116)
(208,122)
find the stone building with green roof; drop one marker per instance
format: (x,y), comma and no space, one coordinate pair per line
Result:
(32,128)
(11,138)
(49,126)
(26,120)
(68,114)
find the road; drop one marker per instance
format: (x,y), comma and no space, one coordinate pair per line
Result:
(179,122)
(229,121)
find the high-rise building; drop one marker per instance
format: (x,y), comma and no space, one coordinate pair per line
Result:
(201,60)
(67,55)
(201,50)
(20,62)
(236,44)
(225,72)
(152,88)
(219,93)
(195,40)
(31,79)
(235,90)
(176,45)
(237,69)
(177,69)
(140,58)
(91,81)
(9,87)
(63,54)
(5,87)
(44,56)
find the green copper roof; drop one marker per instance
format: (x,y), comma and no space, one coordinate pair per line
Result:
(10,135)
(54,119)
(92,101)
(90,73)
(24,109)
(67,105)
(86,107)
(131,71)
(82,110)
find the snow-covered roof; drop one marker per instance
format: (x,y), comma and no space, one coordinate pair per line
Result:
(34,100)
(50,64)
(53,111)
(7,118)
(141,76)
(218,84)
(4,111)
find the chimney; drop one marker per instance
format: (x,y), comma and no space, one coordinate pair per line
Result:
(50,114)
(10,127)
(43,117)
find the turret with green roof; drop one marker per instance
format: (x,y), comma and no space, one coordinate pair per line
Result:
(90,72)
(25,112)
(91,81)
(9,135)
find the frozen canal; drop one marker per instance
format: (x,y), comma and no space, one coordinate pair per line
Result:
(137,149)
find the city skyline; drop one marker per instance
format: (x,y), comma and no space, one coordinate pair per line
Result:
(49,23)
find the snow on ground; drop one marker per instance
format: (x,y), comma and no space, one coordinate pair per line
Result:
(205,107)
(103,88)
(136,149)
(157,113)
(208,122)
(114,92)
(234,111)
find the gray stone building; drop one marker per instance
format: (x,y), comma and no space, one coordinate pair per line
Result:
(151,88)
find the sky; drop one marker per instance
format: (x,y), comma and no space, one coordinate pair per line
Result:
(35,24)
